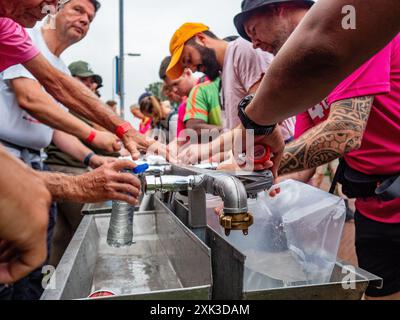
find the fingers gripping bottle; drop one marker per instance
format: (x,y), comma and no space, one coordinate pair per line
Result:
(120,232)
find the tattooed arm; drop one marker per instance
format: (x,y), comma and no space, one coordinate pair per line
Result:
(340,134)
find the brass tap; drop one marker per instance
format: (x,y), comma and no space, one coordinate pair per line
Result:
(236,222)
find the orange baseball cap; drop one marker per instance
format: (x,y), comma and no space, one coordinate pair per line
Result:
(180,37)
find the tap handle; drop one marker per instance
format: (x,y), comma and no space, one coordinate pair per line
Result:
(140,169)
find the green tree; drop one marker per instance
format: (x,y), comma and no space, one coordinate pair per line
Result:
(156,89)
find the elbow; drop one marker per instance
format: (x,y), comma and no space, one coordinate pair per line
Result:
(26,101)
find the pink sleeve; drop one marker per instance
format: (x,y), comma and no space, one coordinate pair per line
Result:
(303,124)
(181,117)
(15,45)
(371,79)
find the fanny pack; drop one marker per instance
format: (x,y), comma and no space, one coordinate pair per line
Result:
(356,184)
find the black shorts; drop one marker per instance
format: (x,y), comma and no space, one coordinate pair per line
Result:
(378,252)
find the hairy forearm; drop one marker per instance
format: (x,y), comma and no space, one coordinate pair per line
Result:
(338,135)
(63,187)
(73,94)
(70,145)
(42,107)
(320,49)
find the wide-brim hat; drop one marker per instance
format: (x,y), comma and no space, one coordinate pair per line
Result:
(249,7)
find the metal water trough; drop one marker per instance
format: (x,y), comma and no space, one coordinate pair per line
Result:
(169,262)
(158,266)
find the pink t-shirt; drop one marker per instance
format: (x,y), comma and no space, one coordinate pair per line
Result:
(380,150)
(15,45)
(181,117)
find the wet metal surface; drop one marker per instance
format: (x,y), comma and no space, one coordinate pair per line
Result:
(154,267)
(140,268)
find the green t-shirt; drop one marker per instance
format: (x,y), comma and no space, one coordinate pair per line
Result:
(204,103)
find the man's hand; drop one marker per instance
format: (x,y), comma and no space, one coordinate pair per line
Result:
(277,144)
(97,161)
(24,212)
(105,183)
(274,141)
(106,141)
(136,143)
(194,154)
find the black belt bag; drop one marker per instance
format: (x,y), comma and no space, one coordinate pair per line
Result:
(356,184)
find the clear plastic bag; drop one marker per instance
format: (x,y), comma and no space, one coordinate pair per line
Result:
(295,237)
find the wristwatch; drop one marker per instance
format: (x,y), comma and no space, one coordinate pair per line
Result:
(250,124)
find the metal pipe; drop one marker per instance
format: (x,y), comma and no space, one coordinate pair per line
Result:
(230,189)
(232,192)
(170,183)
(158,170)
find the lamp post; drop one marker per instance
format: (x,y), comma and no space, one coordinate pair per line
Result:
(121,61)
(117,78)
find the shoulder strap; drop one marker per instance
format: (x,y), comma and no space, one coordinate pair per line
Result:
(339,172)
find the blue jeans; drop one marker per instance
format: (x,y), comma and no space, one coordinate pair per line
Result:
(30,287)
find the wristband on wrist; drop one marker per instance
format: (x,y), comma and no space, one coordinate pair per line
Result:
(87,159)
(91,137)
(122,129)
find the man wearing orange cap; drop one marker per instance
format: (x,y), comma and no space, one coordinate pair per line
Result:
(240,66)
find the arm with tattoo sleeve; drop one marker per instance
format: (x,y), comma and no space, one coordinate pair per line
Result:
(321,48)
(340,134)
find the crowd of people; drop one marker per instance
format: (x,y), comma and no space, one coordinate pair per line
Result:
(281,84)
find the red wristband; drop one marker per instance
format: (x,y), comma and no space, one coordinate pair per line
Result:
(122,129)
(91,137)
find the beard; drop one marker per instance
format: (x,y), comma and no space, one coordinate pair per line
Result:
(209,65)
(282,36)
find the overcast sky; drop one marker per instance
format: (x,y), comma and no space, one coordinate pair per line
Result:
(149,26)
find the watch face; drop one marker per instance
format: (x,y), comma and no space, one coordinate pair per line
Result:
(246,101)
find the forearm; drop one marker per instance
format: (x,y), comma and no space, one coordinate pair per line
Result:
(12,172)
(320,54)
(73,94)
(303,176)
(62,187)
(199,126)
(224,143)
(338,135)
(54,116)
(42,107)
(71,145)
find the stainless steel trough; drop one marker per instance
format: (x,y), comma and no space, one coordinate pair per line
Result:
(158,266)
(169,262)
(178,256)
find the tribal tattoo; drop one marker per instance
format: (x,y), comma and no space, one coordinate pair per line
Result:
(340,134)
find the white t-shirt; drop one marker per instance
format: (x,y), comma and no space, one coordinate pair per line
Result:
(16,125)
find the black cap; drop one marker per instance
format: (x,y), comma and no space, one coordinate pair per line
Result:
(144,96)
(251,6)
